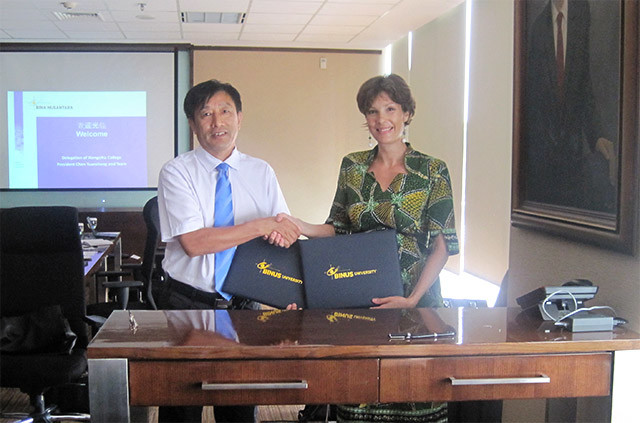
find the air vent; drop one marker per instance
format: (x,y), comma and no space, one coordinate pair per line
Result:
(213,17)
(79,16)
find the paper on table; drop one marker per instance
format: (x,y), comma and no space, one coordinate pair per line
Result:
(95,242)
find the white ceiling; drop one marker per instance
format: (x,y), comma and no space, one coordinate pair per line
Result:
(344,24)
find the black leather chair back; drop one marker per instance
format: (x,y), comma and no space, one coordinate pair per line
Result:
(152,222)
(42,264)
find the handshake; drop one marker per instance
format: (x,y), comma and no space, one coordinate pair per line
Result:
(282,230)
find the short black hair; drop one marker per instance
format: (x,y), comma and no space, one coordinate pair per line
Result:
(198,96)
(395,87)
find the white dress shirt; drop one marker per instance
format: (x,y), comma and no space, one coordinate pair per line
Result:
(186,198)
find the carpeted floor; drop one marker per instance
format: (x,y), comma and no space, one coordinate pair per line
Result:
(12,400)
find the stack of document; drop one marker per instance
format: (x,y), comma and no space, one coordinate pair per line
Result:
(90,246)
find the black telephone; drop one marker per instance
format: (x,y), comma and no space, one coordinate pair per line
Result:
(554,302)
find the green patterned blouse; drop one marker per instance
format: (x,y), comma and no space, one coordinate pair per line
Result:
(418,205)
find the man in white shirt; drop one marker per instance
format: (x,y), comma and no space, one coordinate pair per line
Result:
(187,202)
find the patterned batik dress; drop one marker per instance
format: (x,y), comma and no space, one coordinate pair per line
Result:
(419,206)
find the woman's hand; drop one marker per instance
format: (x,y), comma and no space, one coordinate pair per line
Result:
(293,306)
(393,302)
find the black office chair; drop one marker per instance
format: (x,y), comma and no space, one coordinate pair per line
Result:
(147,275)
(42,293)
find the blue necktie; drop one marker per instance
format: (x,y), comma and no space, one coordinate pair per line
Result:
(223,216)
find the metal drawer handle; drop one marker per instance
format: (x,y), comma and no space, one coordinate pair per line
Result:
(302,384)
(500,381)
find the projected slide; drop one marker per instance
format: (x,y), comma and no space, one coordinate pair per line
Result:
(77,139)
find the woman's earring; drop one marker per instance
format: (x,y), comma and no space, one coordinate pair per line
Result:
(370,141)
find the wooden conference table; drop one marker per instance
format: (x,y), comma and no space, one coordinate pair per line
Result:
(346,356)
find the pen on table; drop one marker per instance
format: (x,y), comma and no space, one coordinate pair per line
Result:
(409,336)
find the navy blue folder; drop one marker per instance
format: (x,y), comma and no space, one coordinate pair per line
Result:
(267,274)
(347,271)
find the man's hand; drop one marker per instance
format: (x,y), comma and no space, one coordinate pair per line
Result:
(281,232)
(276,237)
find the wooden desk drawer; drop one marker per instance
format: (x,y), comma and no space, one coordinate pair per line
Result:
(180,382)
(424,379)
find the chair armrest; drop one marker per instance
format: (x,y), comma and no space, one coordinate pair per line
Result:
(113,273)
(122,284)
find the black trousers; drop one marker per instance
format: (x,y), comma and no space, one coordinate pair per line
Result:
(177,296)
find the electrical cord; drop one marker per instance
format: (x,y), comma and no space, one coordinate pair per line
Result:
(544,302)
(559,322)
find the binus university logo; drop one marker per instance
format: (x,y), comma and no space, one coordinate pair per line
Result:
(265,268)
(334,272)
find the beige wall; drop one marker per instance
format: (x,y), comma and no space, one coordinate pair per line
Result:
(298,117)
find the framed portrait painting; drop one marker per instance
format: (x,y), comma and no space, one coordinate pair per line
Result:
(575,144)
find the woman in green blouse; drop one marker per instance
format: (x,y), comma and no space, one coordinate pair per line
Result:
(395,186)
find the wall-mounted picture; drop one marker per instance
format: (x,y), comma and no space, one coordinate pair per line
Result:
(576,120)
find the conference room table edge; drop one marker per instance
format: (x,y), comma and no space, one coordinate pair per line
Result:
(122,356)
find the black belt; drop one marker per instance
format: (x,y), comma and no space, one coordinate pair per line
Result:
(213,298)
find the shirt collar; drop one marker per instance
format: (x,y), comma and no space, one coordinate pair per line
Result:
(563,9)
(210,162)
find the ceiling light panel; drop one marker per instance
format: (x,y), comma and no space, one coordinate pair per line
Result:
(79,16)
(213,17)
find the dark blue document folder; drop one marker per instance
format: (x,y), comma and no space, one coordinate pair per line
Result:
(347,271)
(267,274)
